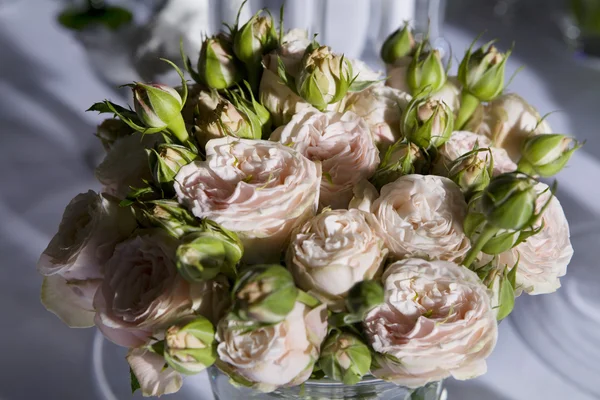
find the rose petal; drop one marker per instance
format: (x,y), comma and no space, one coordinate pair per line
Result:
(154,378)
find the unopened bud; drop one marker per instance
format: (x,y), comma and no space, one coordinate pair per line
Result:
(427,122)
(399,44)
(345,358)
(166,161)
(191,347)
(255,38)
(546,155)
(217,66)
(482,72)
(363,297)
(509,201)
(426,71)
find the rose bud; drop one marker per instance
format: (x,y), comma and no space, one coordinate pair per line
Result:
(546,155)
(402,158)
(191,347)
(264,293)
(345,358)
(472,173)
(255,38)
(482,72)
(166,160)
(217,117)
(205,254)
(399,44)
(111,130)
(363,296)
(258,116)
(509,201)
(170,216)
(427,123)
(325,77)
(159,107)
(217,67)
(426,71)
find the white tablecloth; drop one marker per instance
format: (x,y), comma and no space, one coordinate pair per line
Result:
(46,139)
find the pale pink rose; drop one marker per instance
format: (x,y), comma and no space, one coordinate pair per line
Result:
(126,164)
(259,189)
(508,120)
(462,142)
(381,107)
(436,321)
(154,378)
(274,356)
(364,195)
(343,145)
(422,216)
(333,251)
(543,258)
(91,226)
(142,292)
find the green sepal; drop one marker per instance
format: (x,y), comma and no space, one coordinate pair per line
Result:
(133,381)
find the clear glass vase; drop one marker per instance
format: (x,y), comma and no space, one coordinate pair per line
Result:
(369,388)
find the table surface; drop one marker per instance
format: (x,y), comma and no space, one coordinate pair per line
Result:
(46,84)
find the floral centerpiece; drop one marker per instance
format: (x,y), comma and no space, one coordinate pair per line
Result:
(295,215)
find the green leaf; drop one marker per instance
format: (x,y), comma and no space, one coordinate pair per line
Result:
(111,17)
(506,297)
(359,86)
(135,384)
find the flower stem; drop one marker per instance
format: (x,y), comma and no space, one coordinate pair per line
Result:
(468,105)
(487,233)
(177,128)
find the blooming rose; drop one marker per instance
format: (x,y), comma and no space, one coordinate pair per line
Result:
(343,144)
(257,188)
(421,216)
(462,142)
(149,369)
(508,120)
(381,107)
(142,293)
(436,321)
(333,251)
(126,164)
(278,355)
(543,258)
(91,226)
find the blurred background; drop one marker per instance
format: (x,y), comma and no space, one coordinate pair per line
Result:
(58,57)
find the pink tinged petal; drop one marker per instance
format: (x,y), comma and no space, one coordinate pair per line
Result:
(154,378)
(121,335)
(364,196)
(59,299)
(470,371)
(316,325)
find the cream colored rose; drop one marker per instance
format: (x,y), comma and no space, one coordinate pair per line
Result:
(277,355)
(381,107)
(333,251)
(142,293)
(422,216)
(508,120)
(436,321)
(91,226)
(462,142)
(543,258)
(259,189)
(126,164)
(343,145)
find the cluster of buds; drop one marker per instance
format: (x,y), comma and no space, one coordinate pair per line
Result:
(427,122)
(401,158)
(471,172)
(426,71)
(190,348)
(345,358)
(207,252)
(166,160)
(398,45)
(217,66)
(264,294)
(545,155)
(325,77)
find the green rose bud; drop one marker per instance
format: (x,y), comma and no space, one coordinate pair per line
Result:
(111,130)
(325,77)
(399,44)
(427,122)
(204,254)
(345,358)
(482,72)
(170,216)
(509,201)
(217,67)
(546,155)
(471,172)
(166,161)
(191,347)
(426,71)
(264,293)
(159,107)
(402,158)
(258,116)
(363,296)
(255,38)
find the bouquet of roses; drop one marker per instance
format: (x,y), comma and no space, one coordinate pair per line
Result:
(294,214)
